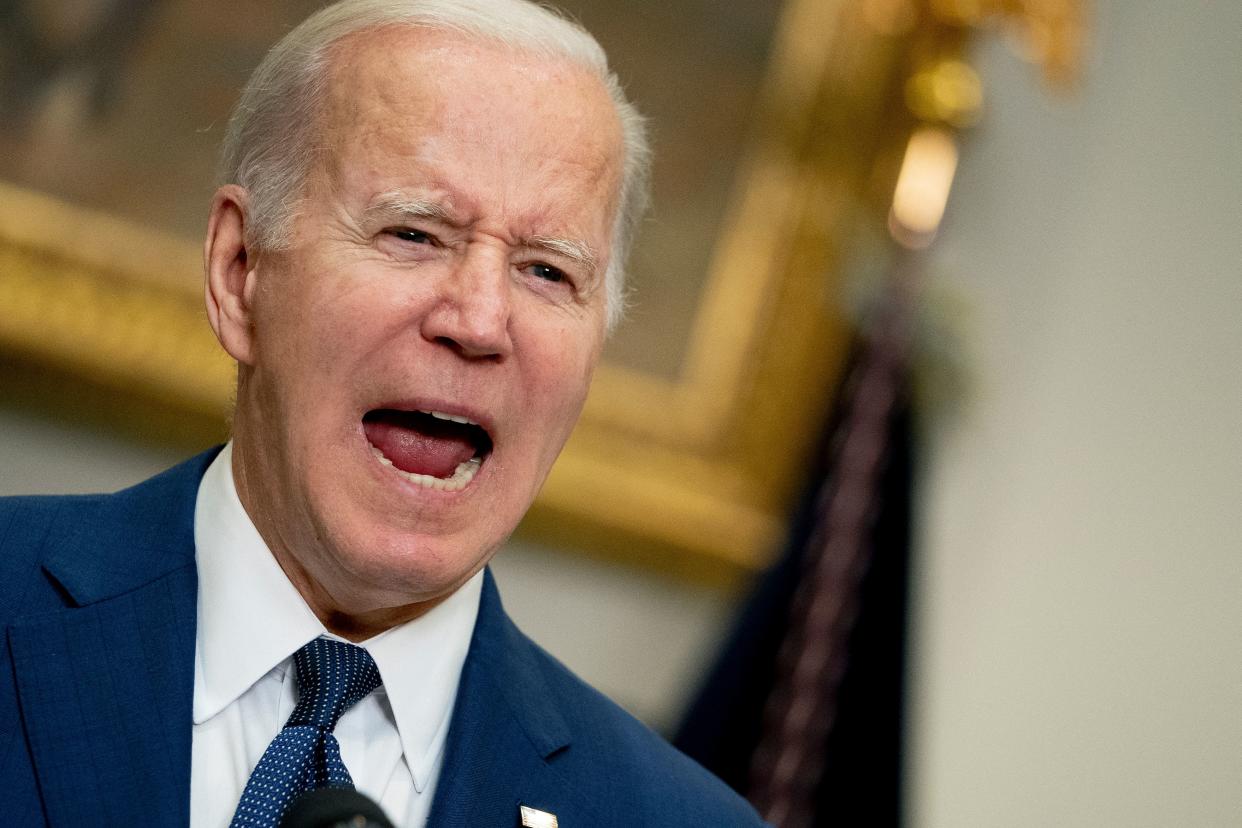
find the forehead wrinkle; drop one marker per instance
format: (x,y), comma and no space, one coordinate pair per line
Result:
(419,128)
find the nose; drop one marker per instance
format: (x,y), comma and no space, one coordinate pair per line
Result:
(471,312)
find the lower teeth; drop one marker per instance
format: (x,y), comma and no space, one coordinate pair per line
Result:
(461,476)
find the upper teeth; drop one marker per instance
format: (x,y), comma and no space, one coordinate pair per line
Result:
(457,418)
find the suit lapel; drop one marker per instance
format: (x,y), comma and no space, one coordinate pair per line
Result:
(505,735)
(106,685)
(106,695)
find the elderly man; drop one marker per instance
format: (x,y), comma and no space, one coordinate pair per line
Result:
(414,264)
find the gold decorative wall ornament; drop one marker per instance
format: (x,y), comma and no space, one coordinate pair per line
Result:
(99,298)
(693,474)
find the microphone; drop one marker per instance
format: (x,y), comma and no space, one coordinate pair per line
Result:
(334,808)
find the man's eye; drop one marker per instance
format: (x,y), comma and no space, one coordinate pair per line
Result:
(410,235)
(548,273)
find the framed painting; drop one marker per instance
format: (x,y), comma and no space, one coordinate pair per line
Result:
(778,128)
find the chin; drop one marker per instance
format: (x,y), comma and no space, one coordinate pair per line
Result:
(407,544)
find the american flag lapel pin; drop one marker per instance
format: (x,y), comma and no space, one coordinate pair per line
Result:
(535,818)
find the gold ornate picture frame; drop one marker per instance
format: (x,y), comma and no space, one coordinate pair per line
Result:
(691,471)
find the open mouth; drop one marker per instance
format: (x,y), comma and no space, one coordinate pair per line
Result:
(430,448)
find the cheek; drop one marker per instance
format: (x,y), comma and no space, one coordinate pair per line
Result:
(563,377)
(322,326)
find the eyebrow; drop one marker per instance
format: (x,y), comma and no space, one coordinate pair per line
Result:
(576,251)
(400,205)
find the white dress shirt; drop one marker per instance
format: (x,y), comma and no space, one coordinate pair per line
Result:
(251,620)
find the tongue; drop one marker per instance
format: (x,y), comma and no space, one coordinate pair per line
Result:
(419,444)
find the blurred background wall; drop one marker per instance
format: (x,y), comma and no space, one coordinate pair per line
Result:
(1079,622)
(1075,655)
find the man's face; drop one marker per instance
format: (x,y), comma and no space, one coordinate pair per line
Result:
(449,257)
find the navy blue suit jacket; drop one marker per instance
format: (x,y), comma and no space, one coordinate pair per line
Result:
(98,607)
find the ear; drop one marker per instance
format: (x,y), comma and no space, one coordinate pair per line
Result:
(230,274)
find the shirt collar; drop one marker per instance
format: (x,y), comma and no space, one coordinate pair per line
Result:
(420,662)
(251,619)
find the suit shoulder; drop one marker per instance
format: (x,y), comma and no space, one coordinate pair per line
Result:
(29,526)
(642,772)
(38,507)
(28,521)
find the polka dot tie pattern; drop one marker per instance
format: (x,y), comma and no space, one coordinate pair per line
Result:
(332,676)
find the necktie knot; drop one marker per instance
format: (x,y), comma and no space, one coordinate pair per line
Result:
(332,676)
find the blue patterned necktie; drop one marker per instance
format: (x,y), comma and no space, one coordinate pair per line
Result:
(332,676)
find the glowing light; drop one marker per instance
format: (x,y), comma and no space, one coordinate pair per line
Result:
(948,90)
(923,187)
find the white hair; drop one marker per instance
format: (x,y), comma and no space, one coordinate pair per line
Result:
(269,147)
